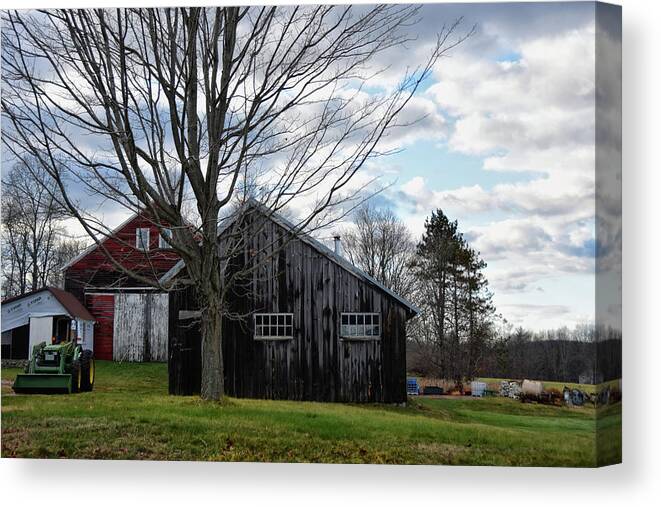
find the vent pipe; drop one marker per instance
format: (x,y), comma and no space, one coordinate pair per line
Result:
(338,245)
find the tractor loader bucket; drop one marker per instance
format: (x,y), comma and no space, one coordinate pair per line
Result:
(44,383)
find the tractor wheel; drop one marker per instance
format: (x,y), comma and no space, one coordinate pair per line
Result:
(76,376)
(88,371)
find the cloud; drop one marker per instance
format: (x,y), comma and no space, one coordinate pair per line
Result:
(519,96)
(502,239)
(421,119)
(538,316)
(571,196)
(530,114)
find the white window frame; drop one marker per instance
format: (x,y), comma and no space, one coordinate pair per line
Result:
(138,234)
(359,323)
(286,324)
(162,242)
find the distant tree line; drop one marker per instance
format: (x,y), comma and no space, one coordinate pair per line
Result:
(458,335)
(562,355)
(34,241)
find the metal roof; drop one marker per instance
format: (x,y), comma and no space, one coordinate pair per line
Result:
(306,238)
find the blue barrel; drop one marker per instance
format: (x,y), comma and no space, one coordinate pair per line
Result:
(412,388)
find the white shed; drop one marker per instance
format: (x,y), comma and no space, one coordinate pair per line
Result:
(48,314)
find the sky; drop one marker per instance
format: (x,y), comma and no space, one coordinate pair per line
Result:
(508,149)
(505,144)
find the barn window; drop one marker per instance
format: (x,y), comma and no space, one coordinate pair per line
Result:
(360,325)
(166,234)
(274,326)
(142,238)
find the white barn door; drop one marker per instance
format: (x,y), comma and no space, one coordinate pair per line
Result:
(140,327)
(41,330)
(158,331)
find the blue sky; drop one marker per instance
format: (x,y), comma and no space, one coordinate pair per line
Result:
(507,148)
(505,144)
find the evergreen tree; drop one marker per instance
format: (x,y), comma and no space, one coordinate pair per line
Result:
(458,308)
(435,267)
(479,309)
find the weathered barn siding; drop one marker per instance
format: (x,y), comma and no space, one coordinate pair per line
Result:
(184,347)
(95,271)
(102,307)
(140,327)
(316,364)
(95,279)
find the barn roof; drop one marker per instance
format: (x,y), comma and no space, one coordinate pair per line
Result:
(306,238)
(70,303)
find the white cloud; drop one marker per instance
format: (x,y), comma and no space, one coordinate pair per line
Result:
(421,119)
(520,95)
(533,115)
(539,316)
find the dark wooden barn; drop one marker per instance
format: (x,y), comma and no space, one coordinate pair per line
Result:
(131,317)
(313,326)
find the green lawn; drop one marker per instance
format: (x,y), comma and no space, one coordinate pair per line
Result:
(130,416)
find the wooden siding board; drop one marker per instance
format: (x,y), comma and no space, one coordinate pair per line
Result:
(316,364)
(184,347)
(95,270)
(102,307)
(140,327)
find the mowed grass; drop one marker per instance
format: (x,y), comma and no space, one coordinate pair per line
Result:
(129,415)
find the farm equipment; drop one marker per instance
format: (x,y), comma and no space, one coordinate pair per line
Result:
(58,368)
(412,388)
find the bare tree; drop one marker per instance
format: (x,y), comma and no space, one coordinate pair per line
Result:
(66,249)
(32,230)
(154,108)
(380,244)
(15,261)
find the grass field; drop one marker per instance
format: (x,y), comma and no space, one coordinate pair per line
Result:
(130,416)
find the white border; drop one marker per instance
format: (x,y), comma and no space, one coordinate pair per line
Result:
(107,483)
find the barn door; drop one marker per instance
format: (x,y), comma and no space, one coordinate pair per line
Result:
(141,327)
(41,330)
(360,371)
(158,331)
(128,342)
(102,307)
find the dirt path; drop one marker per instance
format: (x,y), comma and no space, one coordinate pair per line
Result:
(7,392)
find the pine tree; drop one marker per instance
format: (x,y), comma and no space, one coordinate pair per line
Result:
(479,308)
(457,300)
(435,266)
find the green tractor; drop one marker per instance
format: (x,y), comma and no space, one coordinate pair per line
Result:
(60,368)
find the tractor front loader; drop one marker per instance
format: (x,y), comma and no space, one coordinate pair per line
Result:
(61,368)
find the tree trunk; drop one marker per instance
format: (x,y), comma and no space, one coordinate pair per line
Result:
(454,359)
(213,385)
(443,348)
(35,271)
(209,281)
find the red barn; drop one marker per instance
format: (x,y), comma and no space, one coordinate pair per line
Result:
(131,316)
